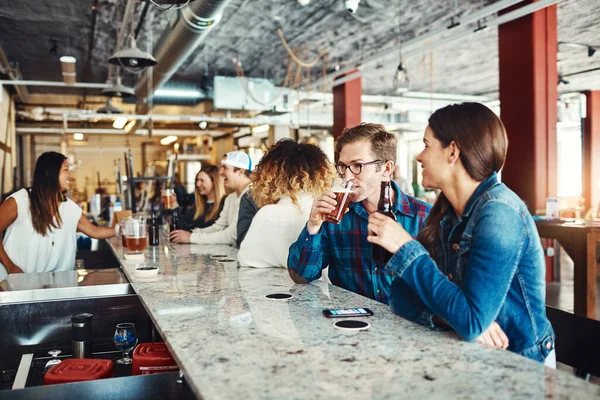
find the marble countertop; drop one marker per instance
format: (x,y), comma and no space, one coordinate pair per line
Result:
(233,342)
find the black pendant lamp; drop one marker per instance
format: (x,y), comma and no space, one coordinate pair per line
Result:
(109,108)
(118,90)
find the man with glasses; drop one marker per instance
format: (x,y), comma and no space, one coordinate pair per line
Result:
(367,156)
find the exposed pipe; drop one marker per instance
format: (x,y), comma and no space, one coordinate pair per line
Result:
(121,132)
(179,41)
(88,59)
(22,83)
(15,75)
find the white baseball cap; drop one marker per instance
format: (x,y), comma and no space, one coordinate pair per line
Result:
(238,159)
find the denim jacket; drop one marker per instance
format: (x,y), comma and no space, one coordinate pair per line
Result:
(488,266)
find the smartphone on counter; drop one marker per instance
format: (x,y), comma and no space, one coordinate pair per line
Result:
(347,312)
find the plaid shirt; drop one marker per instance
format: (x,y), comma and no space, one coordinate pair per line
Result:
(345,249)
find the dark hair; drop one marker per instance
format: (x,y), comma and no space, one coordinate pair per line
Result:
(481,139)
(213,174)
(383,143)
(289,168)
(45,195)
(247,172)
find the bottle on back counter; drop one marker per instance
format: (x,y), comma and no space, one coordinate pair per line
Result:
(381,255)
(153,229)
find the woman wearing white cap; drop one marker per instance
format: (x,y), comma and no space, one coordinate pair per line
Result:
(235,171)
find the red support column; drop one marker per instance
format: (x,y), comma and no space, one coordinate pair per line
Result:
(591,150)
(528,96)
(347,104)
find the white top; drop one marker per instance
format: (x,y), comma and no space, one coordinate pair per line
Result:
(33,252)
(224,230)
(272,231)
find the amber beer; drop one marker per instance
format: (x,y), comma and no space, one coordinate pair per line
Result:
(168,198)
(342,197)
(136,243)
(380,255)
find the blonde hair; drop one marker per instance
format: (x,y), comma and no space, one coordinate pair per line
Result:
(213,174)
(289,168)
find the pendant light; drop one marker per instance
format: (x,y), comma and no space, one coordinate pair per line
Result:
(164,5)
(118,89)
(109,108)
(132,59)
(401,82)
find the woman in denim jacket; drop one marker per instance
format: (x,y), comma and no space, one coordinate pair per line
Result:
(478,263)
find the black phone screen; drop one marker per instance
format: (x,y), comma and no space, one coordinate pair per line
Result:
(347,312)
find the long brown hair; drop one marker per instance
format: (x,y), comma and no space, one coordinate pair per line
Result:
(213,174)
(45,195)
(481,138)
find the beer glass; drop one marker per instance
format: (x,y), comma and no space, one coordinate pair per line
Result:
(343,190)
(136,233)
(168,198)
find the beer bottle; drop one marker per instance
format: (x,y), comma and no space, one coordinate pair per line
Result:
(174,224)
(381,255)
(153,230)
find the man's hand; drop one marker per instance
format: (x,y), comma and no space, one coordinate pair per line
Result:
(494,336)
(386,232)
(322,206)
(180,236)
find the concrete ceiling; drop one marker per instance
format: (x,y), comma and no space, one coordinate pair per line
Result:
(35,33)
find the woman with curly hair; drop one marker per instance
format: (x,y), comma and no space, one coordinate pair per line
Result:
(284,184)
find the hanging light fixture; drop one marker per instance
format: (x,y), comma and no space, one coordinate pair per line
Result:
(109,108)
(118,89)
(163,5)
(401,82)
(132,59)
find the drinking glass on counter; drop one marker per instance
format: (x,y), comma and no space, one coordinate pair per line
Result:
(125,339)
(53,361)
(343,189)
(136,233)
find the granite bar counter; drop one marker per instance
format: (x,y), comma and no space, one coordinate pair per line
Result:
(232,342)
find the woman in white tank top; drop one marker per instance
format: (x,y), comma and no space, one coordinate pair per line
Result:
(41,222)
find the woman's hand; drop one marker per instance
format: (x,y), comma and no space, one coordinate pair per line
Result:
(386,232)
(14,269)
(180,236)
(494,336)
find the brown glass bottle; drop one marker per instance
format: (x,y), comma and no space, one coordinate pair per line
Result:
(153,230)
(381,255)
(174,221)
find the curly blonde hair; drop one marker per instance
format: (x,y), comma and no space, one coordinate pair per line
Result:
(289,168)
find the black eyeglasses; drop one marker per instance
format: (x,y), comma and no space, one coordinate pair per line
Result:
(355,168)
